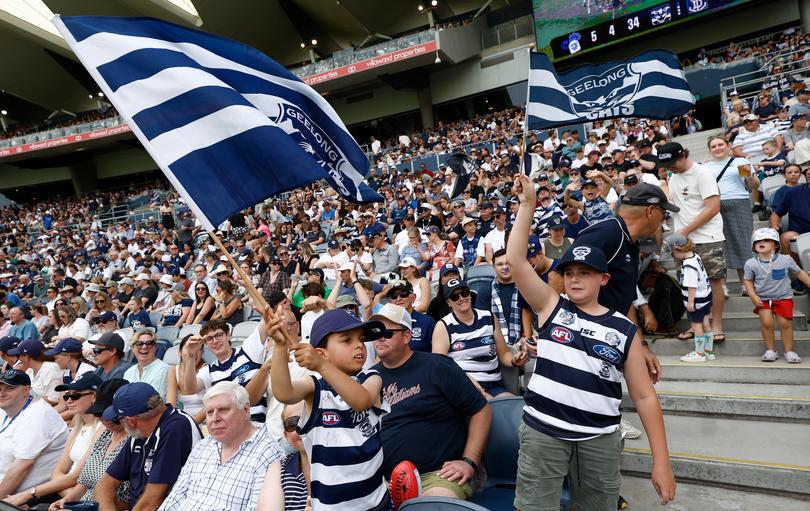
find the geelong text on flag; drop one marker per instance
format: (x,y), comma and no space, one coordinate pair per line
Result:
(649,85)
(227,125)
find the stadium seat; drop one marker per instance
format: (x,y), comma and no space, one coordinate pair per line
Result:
(771,184)
(172,356)
(803,249)
(168,333)
(247,312)
(479,278)
(244,329)
(188,329)
(439,504)
(126,334)
(154,318)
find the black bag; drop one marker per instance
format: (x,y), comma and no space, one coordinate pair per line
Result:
(666,302)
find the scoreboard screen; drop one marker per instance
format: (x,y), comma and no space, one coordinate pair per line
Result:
(565,28)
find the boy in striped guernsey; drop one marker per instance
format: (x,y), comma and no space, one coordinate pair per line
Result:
(571,414)
(470,338)
(697,296)
(343,408)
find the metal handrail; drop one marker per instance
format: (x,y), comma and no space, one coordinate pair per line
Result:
(750,42)
(780,54)
(725,88)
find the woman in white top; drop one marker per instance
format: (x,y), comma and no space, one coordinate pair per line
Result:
(79,395)
(190,403)
(40,317)
(72,325)
(45,376)
(421,287)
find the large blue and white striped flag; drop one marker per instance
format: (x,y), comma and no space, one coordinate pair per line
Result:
(650,85)
(227,125)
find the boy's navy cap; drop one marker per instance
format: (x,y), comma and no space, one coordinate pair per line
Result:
(30,347)
(486,205)
(645,194)
(68,345)
(338,320)
(334,244)
(631,179)
(107,316)
(111,339)
(449,268)
(796,117)
(130,400)
(174,271)
(104,395)
(556,222)
(565,162)
(534,246)
(15,378)
(674,241)
(318,271)
(588,182)
(454,284)
(589,256)
(87,381)
(9,342)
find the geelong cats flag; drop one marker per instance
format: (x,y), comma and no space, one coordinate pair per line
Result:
(227,125)
(649,85)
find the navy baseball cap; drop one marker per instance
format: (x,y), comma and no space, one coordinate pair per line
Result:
(556,222)
(14,378)
(334,244)
(588,182)
(30,347)
(104,395)
(338,320)
(449,268)
(9,342)
(106,316)
(452,285)
(534,246)
(645,194)
(486,205)
(87,381)
(111,339)
(67,345)
(565,162)
(589,256)
(174,271)
(130,400)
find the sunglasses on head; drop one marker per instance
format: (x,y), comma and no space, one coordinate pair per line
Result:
(463,293)
(290,423)
(75,397)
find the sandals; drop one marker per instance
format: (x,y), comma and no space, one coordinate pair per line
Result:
(685,336)
(718,338)
(791,357)
(770,356)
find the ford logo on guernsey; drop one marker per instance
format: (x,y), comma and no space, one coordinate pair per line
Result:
(562,335)
(330,418)
(607,353)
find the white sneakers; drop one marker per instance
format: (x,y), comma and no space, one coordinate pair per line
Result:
(695,357)
(627,430)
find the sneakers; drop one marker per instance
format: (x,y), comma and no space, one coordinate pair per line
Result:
(769,356)
(694,357)
(628,430)
(710,355)
(725,291)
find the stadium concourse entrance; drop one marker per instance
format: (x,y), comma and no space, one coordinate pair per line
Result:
(64,189)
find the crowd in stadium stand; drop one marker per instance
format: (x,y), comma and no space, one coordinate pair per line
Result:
(785,42)
(119,340)
(22,129)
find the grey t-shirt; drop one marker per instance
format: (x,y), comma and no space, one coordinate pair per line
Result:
(771,278)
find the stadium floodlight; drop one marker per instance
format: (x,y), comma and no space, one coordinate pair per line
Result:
(438,59)
(434,3)
(314,42)
(303,46)
(420,7)
(3,112)
(101,94)
(91,96)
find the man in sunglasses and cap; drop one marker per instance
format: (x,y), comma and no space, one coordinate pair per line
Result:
(32,436)
(108,350)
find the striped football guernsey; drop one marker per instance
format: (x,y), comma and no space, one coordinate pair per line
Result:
(693,274)
(472,347)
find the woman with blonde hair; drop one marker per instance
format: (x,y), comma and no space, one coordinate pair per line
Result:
(71,324)
(79,306)
(101,304)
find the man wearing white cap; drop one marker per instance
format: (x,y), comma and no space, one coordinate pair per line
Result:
(145,291)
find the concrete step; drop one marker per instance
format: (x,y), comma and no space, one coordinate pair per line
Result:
(754,455)
(748,321)
(737,344)
(700,496)
(731,369)
(789,402)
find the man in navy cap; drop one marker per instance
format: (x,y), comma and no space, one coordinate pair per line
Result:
(32,436)
(109,355)
(162,438)
(8,343)
(438,307)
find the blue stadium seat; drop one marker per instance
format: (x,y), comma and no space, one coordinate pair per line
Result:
(440,504)
(479,278)
(168,333)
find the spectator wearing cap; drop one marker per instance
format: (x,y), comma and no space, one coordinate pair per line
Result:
(557,243)
(547,208)
(145,291)
(315,275)
(486,220)
(467,335)
(7,344)
(39,291)
(496,238)
(108,443)
(749,140)
(384,255)
(796,132)
(275,279)
(470,247)
(32,436)
(45,376)
(85,427)
(180,306)
(398,211)
(420,286)
(21,327)
(349,285)
(125,291)
(428,393)
(108,351)
(594,205)
(163,300)
(227,469)
(148,367)
(693,190)
(438,307)
(765,109)
(162,438)
(543,265)
(646,159)
(332,260)
(370,224)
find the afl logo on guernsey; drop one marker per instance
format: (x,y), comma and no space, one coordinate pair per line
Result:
(330,418)
(607,353)
(457,346)
(562,335)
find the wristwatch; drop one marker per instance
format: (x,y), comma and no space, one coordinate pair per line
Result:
(470,462)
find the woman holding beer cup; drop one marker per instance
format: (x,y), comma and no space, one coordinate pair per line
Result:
(732,175)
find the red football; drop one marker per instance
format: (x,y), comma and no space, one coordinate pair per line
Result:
(405,483)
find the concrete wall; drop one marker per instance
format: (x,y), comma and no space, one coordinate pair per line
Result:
(384,102)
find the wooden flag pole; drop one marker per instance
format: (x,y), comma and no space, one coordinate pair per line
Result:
(252,291)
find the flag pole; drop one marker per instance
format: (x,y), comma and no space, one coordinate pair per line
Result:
(526,116)
(252,291)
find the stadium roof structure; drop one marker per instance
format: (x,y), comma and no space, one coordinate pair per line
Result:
(40,75)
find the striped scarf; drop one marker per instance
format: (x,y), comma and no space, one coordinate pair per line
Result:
(511,330)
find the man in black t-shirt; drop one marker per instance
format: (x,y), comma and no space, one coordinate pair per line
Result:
(438,420)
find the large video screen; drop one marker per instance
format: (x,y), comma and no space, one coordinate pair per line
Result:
(565,28)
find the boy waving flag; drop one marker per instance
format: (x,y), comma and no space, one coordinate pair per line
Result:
(227,125)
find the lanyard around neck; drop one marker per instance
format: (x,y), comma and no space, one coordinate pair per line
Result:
(6,426)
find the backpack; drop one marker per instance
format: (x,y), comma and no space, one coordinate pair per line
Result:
(666,302)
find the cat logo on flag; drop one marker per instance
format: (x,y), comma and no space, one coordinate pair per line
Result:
(609,94)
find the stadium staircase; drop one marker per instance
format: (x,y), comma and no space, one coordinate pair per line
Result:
(737,427)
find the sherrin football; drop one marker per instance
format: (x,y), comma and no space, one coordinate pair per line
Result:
(405,483)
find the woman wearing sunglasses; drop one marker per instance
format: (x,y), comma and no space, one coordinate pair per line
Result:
(79,396)
(189,403)
(108,443)
(294,468)
(202,308)
(468,336)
